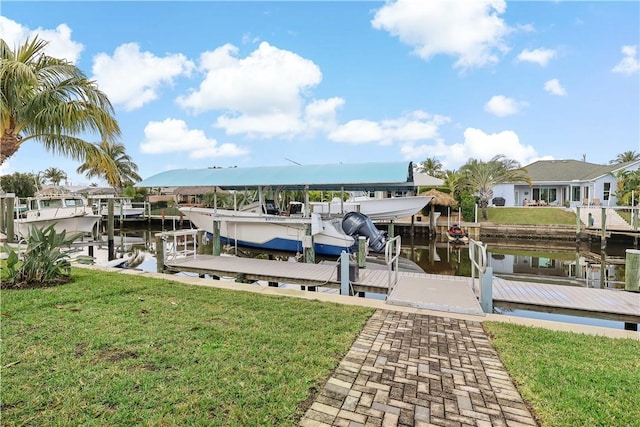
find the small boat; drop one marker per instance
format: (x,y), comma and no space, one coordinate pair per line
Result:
(457,234)
(67,212)
(267,229)
(375,208)
(122,208)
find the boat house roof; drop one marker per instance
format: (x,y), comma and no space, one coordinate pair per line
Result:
(350,177)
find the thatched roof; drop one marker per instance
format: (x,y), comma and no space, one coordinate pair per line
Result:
(195,190)
(440,198)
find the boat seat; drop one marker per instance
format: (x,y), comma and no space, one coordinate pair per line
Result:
(270,208)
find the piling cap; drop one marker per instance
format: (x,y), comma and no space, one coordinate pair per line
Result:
(633,251)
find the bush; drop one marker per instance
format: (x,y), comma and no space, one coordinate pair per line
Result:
(468,207)
(44,262)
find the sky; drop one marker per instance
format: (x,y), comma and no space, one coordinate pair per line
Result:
(223,84)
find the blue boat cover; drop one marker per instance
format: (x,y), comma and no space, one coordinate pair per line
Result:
(350,177)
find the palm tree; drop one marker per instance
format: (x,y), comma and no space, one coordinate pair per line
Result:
(431,166)
(627,156)
(111,162)
(50,101)
(53,175)
(480,177)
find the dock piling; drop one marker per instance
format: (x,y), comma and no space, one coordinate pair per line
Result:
(632,270)
(344,273)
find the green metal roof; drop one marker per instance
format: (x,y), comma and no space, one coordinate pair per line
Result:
(351,177)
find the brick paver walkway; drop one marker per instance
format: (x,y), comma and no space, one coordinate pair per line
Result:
(409,369)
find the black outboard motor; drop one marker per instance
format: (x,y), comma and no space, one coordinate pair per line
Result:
(355,223)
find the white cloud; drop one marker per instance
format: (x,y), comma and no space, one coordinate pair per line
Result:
(629,63)
(478,145)
(502,106)
(264,94)
(539,56)
(415,126)
(132,78)
(554,87)
(470,30)
(60,44)
(172,135)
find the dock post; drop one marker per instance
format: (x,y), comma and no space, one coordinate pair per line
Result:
(111,252)
(309,252)
(10,214)
(344,274)
(160,238)
(216,238)
(3,214)
(391,230)
(486,290)
(632,270)
(273,284)
(200,246)
(603,236)
(362,251)
(577,225)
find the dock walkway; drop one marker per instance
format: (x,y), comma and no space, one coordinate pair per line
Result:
(421,290)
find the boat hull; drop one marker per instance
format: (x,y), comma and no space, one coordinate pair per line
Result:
(376,209)
(270,231)
(83,224)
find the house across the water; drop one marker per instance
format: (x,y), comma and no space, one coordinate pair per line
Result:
(567,183)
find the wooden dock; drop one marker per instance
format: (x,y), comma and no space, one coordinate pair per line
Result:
(422,290)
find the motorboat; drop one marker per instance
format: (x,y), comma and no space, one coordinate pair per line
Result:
(66,212)
(376,209)
(457,234)
(267,229)
(122,208)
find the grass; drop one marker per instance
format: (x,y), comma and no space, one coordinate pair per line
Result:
(572,379)
(530,215)
(114,349)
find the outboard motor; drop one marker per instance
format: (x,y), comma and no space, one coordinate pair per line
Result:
(355,223)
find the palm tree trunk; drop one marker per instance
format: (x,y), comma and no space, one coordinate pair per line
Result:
(8,145)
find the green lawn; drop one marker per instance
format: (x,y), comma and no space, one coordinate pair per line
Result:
(114,349)
(572,379)
(530,215)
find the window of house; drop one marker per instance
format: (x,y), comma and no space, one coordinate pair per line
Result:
(575,193)
(607,190)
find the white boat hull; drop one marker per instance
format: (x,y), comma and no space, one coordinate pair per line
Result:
(83,224)
(376,209)
(271,231)
(65,212)
(123,212)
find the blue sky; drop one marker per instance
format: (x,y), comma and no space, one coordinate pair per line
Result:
(207,83)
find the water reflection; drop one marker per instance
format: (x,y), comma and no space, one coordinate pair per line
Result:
(524,260)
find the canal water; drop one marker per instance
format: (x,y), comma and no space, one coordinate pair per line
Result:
(547,262)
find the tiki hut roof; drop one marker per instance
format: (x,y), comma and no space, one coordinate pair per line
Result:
(440,198)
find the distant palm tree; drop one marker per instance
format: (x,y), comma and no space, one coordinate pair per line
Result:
(111,162)
(53,175)
(431,166)
(627,156)
(480,177)
(50,101)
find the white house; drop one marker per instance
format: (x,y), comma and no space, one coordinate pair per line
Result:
(565,182)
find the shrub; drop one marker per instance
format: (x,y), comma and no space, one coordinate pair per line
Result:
(468,207)
(44,263)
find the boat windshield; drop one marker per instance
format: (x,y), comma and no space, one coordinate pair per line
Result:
(73,202)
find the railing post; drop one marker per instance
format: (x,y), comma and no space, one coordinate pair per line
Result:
(486,290)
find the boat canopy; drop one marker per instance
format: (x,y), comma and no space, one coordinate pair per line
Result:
(393,176)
